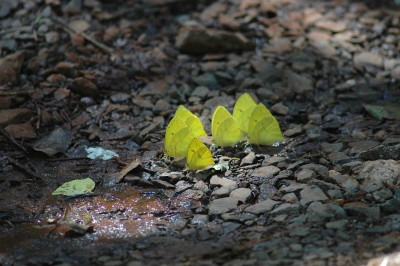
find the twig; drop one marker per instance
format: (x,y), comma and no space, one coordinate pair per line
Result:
(25,169)
(67,159)
(84,35)
(12,93)
(13,140)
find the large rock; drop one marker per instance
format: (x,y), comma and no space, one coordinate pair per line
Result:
(10,66)
(367,58)
(201,41)
(380,172)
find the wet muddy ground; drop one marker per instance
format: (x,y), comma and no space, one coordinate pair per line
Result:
(87,73)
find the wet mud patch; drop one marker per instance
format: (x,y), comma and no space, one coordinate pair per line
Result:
(113,214)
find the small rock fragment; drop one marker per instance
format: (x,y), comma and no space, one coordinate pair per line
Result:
(248,159)
(310,194)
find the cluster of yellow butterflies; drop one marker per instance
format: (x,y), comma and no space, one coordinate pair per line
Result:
(251,119)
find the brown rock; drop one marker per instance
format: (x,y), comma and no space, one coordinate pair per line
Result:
(21,131)
(331,25)
(65,68)
(156,87)
(10,66)
(61,94)
(13,116)
(280,108)
(85,87)
(200,41)
(55,78)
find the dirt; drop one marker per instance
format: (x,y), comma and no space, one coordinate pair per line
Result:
(78,74)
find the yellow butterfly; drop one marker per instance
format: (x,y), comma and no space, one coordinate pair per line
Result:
(198,155)
(263,127)
(242,111)
(225,128)
(177,138)
(192,121)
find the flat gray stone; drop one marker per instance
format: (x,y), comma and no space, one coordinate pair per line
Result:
(242,194)
(223,182)
(266,171)
(220,206)
(305,175)
(262,207)
(310,194)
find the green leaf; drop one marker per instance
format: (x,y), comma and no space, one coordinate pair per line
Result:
(223,167)
(75,187)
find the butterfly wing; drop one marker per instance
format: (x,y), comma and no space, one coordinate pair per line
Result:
(225,129)
(191,120)
(199,156)
(263,127)
(242,111)
(177,138)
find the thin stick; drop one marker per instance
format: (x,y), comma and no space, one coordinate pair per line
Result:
(13,140)
(84,35)
(25,169)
